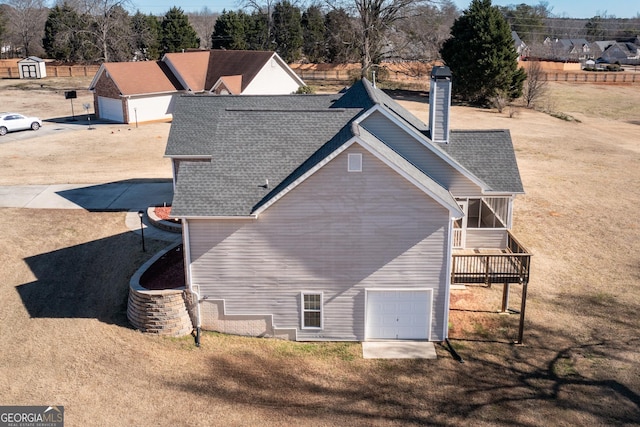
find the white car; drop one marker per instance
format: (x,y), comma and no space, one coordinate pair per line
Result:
(10,122)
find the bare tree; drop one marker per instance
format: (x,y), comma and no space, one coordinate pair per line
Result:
(25,21)
(203,22)
(426,29)
(376,19)
(110,29)
(535,86)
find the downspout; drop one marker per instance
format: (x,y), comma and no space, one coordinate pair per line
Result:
(453,352)
(187,272)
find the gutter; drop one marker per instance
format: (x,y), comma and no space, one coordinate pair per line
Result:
(189,285)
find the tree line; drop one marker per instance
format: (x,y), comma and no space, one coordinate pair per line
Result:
(476,43)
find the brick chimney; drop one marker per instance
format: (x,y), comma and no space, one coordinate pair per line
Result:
(440,104)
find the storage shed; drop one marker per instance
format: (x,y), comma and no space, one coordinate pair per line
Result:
(32,68)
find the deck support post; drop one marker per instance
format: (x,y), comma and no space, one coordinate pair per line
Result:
(505,298)
(522,307)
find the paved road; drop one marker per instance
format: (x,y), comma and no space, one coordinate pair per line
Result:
(53,126)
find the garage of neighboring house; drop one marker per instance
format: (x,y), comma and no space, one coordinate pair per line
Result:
(150,108)
(134,92)
(398,314)
(110,109)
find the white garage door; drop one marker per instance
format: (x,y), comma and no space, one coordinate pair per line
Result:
(396,314)
(110,109)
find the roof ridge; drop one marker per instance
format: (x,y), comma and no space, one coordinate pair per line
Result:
(287,110)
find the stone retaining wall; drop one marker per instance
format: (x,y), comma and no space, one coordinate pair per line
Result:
(162,312)
(159,312)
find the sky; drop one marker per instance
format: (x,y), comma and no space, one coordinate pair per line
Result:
(560,8)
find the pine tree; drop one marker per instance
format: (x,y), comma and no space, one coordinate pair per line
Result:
(482,55)
(314,47)
(230,31)
(287,31)
(146,40)
(67,37)
(177,33)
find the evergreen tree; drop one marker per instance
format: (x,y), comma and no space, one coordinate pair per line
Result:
(146,36)
(176,32)
(482,56)
(527,21)
(3,28)
(340,37)
(230,31)
(595,30)
(287,31)
(66,36)
(314,47)
(258,34)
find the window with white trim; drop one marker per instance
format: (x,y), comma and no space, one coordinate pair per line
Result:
(355,162)
(311,310)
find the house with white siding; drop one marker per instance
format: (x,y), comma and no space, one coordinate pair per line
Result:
(334,217)
(144,91)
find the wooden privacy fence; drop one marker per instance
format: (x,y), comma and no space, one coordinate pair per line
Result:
(54,71)
(345,77)
(593,77)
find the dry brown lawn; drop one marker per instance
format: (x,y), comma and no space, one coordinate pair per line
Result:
(65,340)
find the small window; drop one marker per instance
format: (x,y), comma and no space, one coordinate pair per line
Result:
(355,162)
(311,310)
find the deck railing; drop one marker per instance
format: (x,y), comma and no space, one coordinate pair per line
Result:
(509,267)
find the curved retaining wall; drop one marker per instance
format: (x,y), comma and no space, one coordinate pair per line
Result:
(162,312)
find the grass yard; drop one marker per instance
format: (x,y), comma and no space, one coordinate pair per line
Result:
(65,340)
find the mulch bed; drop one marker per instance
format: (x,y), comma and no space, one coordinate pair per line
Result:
(164,212)
(166,273)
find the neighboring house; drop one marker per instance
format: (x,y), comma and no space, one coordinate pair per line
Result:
(128,92)
(336,217)
(133,92)
(521,47)
(625,53)
(567,49)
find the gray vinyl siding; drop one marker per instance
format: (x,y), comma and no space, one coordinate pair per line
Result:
(439,96)
(422,157)
(338,232)
(486,238)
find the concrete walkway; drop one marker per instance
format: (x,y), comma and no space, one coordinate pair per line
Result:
(398,350)
(124,196)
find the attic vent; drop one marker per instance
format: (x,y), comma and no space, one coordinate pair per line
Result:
(355,162)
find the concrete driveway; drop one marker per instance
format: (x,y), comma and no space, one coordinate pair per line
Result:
(126,196)
(115,196)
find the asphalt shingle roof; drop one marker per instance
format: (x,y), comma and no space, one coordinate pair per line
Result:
(255,139)
(489,155)
(251,139)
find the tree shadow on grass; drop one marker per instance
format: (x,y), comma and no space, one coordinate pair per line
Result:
(499,384)
(90,280)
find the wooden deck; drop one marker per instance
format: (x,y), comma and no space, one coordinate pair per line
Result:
(508,265)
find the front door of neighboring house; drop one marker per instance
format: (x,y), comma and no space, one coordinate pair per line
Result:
(460,227)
